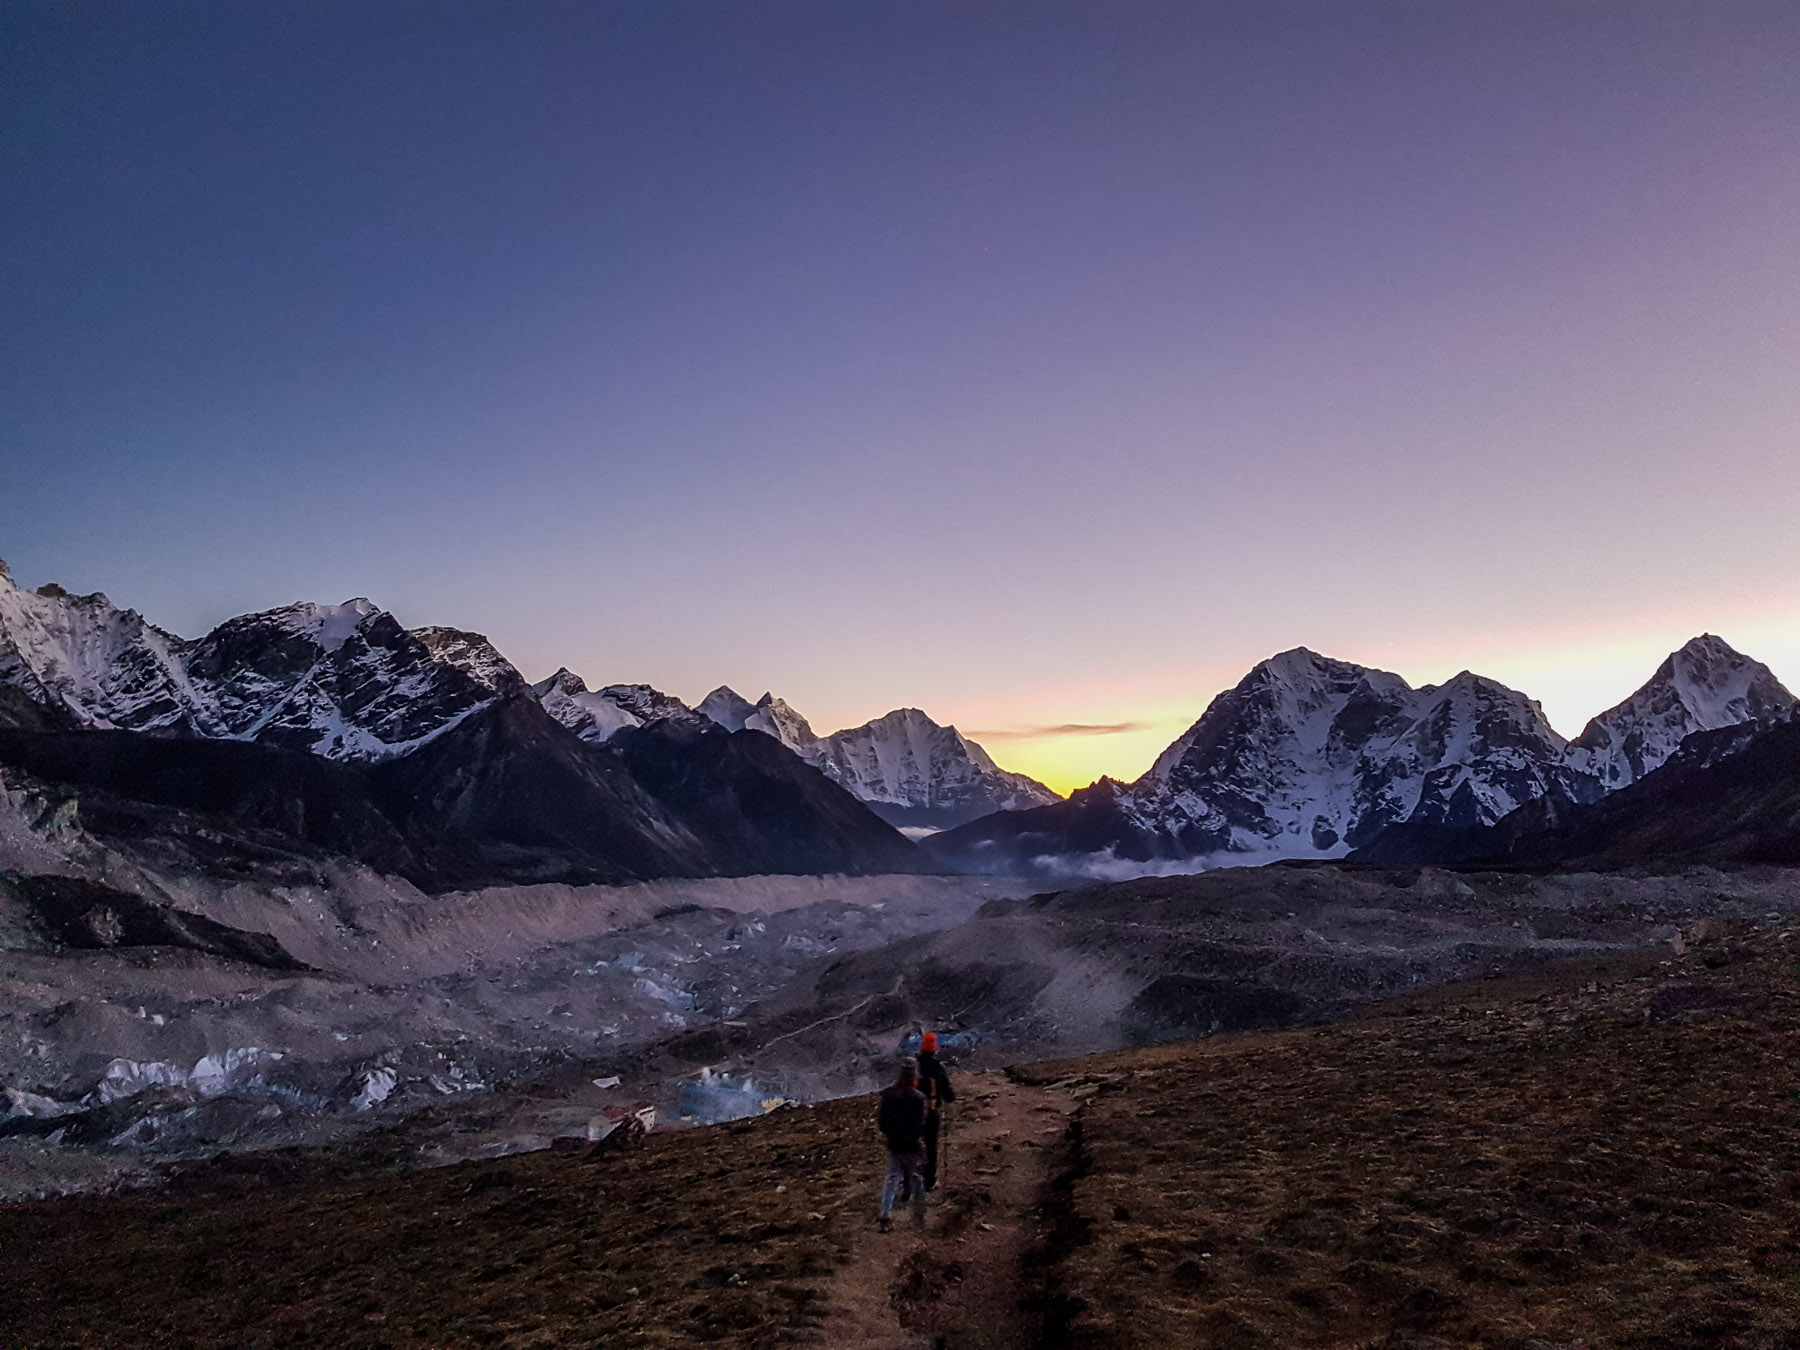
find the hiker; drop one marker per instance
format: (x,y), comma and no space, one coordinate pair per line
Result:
(938,1094)
(900,1116)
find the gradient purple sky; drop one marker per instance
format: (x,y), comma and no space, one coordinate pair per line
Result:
(1034,364)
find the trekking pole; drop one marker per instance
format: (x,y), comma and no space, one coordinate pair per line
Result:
(943,1167)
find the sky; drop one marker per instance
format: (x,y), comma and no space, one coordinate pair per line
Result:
(1040,365)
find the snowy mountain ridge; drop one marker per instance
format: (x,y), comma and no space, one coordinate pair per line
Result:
(343,681)
(1308,756)
(1305,757)
(347,682)
(1704,686)
(1312,757)
(912,771)
(594,715)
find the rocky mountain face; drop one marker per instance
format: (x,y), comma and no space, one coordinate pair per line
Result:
(914,772)
(472,654)
(92,663)
(594,715)
(343,681)
(763,808)
(668,798)
(1311,757)
(910,770)
(1729,795)
(506,796)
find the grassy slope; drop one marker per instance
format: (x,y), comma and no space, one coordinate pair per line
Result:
(1558,1163)
(685,1240)
(1588,1157)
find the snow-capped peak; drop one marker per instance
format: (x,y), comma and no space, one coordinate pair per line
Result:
(591,716)
(344,681)
(1307,755)
(909,769)
(1705,685)
(106,666)
(727,707)
(915,772)
(329,626)
(472,654)
(774,717)
(770,715)
(565,681)
(650,704)
(597,715)
(1306,703)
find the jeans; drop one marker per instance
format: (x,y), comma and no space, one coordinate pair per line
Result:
(905,1175)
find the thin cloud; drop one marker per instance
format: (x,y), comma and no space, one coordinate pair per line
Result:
(1061,729)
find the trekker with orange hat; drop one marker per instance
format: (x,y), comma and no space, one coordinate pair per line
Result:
(935,1084)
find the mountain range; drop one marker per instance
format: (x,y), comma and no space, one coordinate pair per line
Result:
(348,682)
(476,775)
(911,771)
(1308,757)
(1725,796)
(332,729)
(908,769)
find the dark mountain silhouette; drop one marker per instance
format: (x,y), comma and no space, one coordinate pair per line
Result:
(536,803)
(760,807)
(507,795)
(228,804)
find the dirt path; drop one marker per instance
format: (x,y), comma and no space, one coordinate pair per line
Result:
(958,1283)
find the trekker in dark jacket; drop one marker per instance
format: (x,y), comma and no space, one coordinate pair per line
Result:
(938,1094)
(900,1116)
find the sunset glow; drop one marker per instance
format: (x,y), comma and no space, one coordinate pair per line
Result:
(804,353)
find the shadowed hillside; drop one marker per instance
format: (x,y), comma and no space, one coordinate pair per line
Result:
(1728,796)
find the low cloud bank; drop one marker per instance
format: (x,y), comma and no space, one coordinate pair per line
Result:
(1106,865)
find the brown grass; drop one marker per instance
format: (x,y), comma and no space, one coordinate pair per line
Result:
(1586,1158)
(686,1240)
(1557,1163)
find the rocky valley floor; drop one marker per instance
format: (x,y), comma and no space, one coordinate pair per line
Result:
(1600,1153)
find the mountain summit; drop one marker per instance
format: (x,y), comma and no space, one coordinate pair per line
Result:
(343,681)
(1312,757)
(910,770)
(1702,687)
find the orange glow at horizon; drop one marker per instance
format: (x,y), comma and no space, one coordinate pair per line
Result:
(1063,762)
(1574,675)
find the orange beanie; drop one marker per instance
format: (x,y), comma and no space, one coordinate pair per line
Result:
(928,1041)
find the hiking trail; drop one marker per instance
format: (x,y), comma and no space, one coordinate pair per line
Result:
(959,1283)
